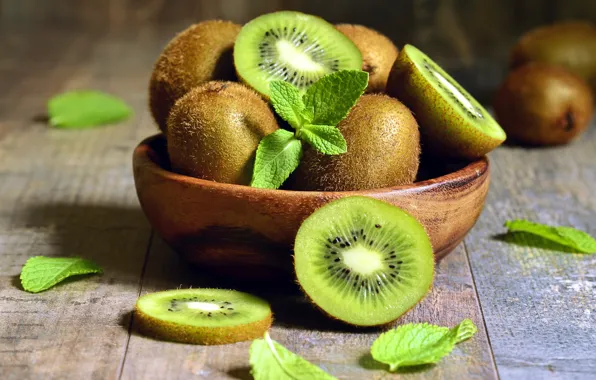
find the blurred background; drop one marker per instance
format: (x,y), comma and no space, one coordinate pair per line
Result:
(469,38)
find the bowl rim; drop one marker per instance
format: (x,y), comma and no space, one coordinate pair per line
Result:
(469,173)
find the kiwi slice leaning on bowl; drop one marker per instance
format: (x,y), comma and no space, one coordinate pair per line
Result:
(293,47)
(202,316)
(363,261)
(452,123)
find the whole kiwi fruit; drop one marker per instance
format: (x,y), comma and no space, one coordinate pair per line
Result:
(200,53)
(214,130)
(541,104)
(383,150)
(378,54)
(571,44)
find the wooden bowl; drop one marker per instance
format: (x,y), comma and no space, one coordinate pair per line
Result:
(247,232)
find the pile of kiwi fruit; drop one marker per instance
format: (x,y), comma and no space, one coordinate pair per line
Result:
(547,98)
(360,260)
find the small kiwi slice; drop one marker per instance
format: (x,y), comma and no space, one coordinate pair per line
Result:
(291,46)
(452,123)
(202,316)
(200,53)
(383,149)
(363,261)
(571,44)
(541,104)
(378,54)
(214,131)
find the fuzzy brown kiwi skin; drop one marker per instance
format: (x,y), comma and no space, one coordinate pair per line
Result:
(200,53)
(541,104)
(214,131)
(378,54)
(164,330)
(383,150)
(570,44)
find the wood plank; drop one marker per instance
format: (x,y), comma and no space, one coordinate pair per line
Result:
(539,305)
(341,351)
(68,193)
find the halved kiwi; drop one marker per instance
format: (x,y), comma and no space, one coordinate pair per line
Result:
(452,123)
(363,261)
(293,47)
(202,316)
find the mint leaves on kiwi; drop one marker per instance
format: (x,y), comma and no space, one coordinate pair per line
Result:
(313,116)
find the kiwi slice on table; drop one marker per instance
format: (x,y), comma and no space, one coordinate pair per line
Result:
(363,261)
(452,123)
(293,47)
(202,316)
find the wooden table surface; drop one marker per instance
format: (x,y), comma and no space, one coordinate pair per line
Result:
(71,193)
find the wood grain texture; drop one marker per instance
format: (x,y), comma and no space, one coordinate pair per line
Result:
(65,193)
(249,232)
(340,350)
(539,304)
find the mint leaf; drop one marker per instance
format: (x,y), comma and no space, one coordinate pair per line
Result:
(287,102)
(331,97)
(417,344)
(41,273)
(270,360)
(566,236)
(324,138)
(83,109)
(278,155)
(465,330)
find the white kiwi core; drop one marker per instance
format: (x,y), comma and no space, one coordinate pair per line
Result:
(362,261)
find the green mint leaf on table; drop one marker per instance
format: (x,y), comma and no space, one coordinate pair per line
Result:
(420,343)
(331,97)
(84,109)
(270,360)
(566,236)
(324,138)
(278,155)
(41,273)
(287,102)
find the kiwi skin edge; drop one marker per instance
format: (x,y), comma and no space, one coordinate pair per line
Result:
(378,54)
(200,53)
(164,330)
(444,132)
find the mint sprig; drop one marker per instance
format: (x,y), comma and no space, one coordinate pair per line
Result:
(270,360)
(569,237)
(419,343)
(314,117)
(85,109)
(41,273)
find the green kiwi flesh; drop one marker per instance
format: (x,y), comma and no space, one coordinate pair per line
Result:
(202,316)
(363,261)
(214,131)
(383,150)
(378,54)
(200,53)
(452,123)
(293,47)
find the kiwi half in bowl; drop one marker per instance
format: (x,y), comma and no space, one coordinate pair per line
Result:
(293,47)
(202,316)
(363,261)
(452,123)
